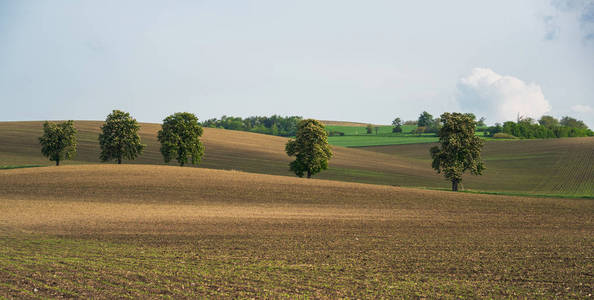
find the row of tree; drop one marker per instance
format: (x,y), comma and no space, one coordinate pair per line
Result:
(119,139)
(425,124)
(458,152)
(180,139)
(545,127)
(274,125)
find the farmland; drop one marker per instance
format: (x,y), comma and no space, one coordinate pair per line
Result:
(548,167)
(553,166)
(371,140)
(355,135)
(114,231)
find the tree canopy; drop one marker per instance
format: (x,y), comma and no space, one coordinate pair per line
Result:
(58,141)
(310,147)
(119,137)
(425,119)
(572,122)
(180,138)
(459,149)
(549,121)
(273,125)
(397,123)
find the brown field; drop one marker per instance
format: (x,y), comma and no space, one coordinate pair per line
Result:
(109,231)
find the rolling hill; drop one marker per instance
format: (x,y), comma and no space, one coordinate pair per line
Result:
(559,166)
(143,231)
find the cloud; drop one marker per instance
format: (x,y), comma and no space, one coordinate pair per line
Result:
(500,98)
(580,108)
(552,29)
(581,10)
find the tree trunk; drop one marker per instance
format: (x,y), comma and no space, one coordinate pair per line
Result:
(308,174)
(57,162)
(181,164)
(455,185)
(119,160)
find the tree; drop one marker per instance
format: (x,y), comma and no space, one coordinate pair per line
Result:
(434,126)
(481,122)
(397,123)
(310,147)
(571,122)
(420,130)
(459,149)
(119,137)
(425,119)
(369,128)
(58,141)
(180,137)
(548,121)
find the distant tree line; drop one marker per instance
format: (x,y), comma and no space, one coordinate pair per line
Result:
(273,125)
(425,124)
(545,127)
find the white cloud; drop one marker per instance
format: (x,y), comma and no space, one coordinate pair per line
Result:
(580,108)
(500,98)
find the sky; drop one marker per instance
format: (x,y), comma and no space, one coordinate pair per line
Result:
(366,61)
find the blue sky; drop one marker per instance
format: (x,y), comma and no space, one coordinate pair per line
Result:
(368,61)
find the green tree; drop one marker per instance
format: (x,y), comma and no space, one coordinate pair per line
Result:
(397,123)
(425,119)
(310,147)
(572,122)
(119,137)
(459,149)
(548,121)
(180,138)
(481,122)
(420,130)
(58,141)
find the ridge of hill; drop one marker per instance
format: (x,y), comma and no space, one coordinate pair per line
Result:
(347,123)
(555,167)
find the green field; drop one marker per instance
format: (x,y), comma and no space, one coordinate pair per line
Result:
(372,140)
(357,136)
(362,130)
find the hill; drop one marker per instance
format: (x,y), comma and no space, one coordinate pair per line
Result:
(119,231)
(559,166)
(225,149)
(553,166)
(345,123)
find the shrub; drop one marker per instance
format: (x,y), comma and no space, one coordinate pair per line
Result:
(335,133)
(501,135)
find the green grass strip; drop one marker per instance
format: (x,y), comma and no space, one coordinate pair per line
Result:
(514,193)
(19,167)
